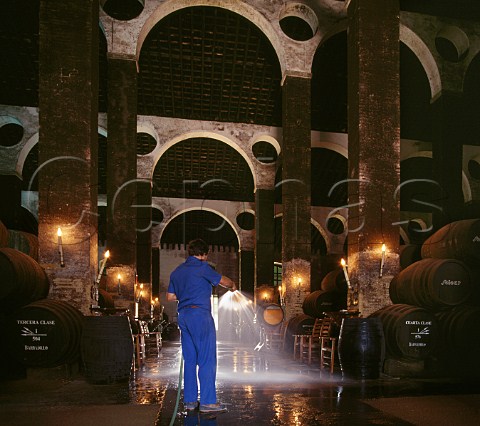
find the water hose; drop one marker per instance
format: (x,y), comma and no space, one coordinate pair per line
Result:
(180,376)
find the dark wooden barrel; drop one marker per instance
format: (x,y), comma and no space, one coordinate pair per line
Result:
(458,240)
(432,284)
(361,348)
(411,332)
(300,324)
(22,279)
(3,235)
(107,349)
(271,314)
(335,281)
(409,254)
(460,328)
(23,241)
(46,333)
(460,340)
(318,302)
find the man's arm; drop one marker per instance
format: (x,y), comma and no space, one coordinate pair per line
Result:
(171,297)
(227,283)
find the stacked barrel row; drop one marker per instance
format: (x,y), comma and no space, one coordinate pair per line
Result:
(39,332)
(436,307)
(331,297)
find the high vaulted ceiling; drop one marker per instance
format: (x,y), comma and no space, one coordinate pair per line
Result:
(208,63)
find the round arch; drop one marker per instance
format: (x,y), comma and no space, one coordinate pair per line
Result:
(424,55)
(160,150)
(241,8)
(467,191)
(216,212)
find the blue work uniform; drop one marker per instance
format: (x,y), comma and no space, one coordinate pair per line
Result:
(192,283)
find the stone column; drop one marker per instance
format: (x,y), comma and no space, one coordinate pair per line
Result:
(11,201)
(447,155)
(68,119)
(247,271)
(373,150)
(122,174)
(264,236)
(144,234)
(296,196)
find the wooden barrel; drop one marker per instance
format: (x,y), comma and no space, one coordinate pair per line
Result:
(300,324)
(107,349)
(458,240)
(271,314)
(432,284)
(460,340)
(361,348)
(335,281)
(460,328)
(46,333)
(23,241)
(411,332)
(3,235)
(409,254)
(22,279)
(318,302)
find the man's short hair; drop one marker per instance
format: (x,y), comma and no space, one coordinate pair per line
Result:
(197,247)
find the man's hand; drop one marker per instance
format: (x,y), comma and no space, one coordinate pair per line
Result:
(228,283)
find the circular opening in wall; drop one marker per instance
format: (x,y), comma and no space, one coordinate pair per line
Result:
(474,167)
(336,225)
(246,221)
(145,143)
(298,22)
(157,216)
(123,10)
(264,152)
(11,131)
(452,43)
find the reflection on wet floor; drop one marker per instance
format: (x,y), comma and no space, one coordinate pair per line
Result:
(270,388)
(263,387)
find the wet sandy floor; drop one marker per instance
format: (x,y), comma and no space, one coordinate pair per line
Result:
(259,388)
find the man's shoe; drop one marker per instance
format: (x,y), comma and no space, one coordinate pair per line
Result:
(190,406)
(212,408)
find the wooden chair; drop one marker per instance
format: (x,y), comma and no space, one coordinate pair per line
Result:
(328,345)
(139,342)
(308,345)
(275,339)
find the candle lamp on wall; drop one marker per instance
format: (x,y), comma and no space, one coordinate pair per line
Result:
(138,298)
(119,277)
(60,247)
(382,262)
(299,285)
(94,292)
(345,272)
(281,293)
(102,265)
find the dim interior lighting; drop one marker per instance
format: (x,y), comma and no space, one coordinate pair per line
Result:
(382,262)
(60,247)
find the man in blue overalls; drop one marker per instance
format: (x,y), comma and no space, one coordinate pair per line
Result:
(191,284)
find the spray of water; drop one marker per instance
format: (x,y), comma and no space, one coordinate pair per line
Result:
(236,318)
